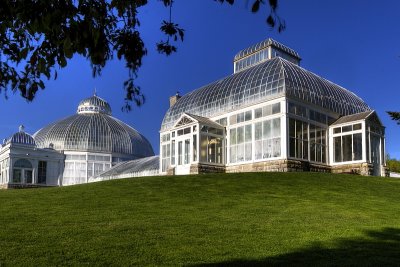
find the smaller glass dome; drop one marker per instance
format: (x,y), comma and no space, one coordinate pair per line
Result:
(21,138)
(94,104)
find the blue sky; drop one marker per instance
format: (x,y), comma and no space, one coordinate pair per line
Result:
(353,43)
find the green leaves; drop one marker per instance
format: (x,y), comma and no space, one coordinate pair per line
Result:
(256,6)
(38,37)
(395,116)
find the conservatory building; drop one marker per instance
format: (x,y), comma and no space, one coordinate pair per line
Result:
(73,150)
(271,115)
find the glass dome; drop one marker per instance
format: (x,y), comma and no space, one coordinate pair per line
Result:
(21,138)
(93,129)
(94,104)
(273,78)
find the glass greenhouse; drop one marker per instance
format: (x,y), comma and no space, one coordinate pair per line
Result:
(271,115)
(72,150)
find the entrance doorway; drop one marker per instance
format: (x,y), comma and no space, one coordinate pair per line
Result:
(22,172)
(183,166)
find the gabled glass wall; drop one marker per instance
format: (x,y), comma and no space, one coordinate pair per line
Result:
(307,133)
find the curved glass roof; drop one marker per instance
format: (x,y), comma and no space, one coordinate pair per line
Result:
(95,132)
(94,104)
(273,78)
(269,42)
(134,166)
(21,138)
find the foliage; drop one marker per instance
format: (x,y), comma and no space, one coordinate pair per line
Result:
(39,36)
(393,164)
(395,116)
(254,219)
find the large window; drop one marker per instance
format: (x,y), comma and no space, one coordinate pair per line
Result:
(317,144)
(298,139)
(241,144)
(42,172)
(165,148)
(211,149)
(347,142)
(267,135)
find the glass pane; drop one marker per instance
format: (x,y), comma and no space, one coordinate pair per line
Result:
(346,147)
(232,151)
(267,129)
(337,142)
(194,147)
(17,176)
(258,149)
(299,130)
(337,130)
(211,149)
(292,147)
(276,108)
(218,146)
(173,152)
(347,128)
(233,136)
(276,147)
(248,115)
(28,176)
(180,155)
(187,151)
(357,126)
(240,153)
(292,128)
(248,136)
(258,113)
(240,135)
(258,131)
(357,146)
(276,127)
(203,148)
(248,152)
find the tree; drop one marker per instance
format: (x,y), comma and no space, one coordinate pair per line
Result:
(395,116)
(393,164)
(39,36)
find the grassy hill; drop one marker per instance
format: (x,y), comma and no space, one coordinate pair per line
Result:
(279,219)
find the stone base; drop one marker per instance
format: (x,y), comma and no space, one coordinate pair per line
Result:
(171,171)
(283,165)
(206,168)
(23,186)
(366,169)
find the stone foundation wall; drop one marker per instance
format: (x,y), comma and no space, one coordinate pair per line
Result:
(171,171)
(3,186)
(206,168)
(366,169)
(22,186)
(284,165)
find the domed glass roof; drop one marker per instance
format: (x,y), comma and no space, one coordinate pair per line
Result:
(21,138)
(94,130)
(273,78)
(94,104)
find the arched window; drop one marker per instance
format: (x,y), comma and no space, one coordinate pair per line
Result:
(23,163)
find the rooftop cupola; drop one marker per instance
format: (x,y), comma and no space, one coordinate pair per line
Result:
(263,51)
(94,104)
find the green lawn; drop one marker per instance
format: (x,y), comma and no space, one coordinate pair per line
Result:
(257,219)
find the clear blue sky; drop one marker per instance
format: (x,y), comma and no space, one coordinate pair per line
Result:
(353,43)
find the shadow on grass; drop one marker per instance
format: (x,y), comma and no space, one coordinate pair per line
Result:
(377,248)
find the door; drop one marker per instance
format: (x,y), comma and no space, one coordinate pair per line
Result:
(183,166)
(376,155)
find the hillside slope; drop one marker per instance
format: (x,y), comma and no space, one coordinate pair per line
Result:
(297,219)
